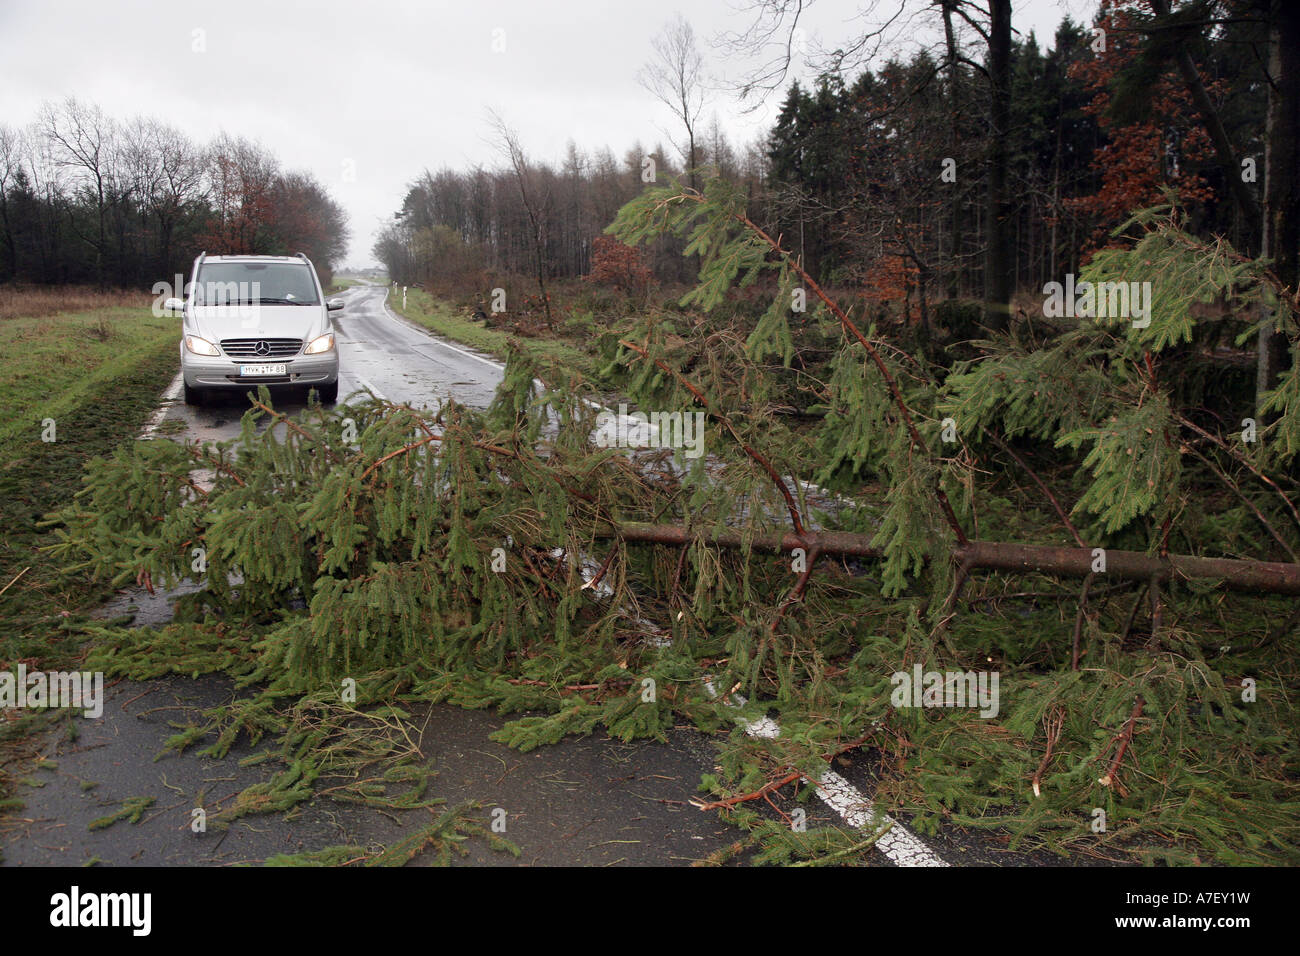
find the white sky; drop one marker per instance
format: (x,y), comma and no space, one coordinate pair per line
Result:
(388,88)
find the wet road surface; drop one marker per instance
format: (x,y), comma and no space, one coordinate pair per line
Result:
(585,801)
(589,801)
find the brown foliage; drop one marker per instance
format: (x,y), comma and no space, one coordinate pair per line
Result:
(619,265)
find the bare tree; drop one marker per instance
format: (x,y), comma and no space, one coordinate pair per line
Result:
(11,161)
(675,76)
(778,40)
(81,138)
(181,182)
(534,200)
(240,177)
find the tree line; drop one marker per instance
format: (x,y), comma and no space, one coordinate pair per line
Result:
(919,179)
(452,224)
(88,198)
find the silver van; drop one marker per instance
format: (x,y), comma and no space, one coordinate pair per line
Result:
(256,320)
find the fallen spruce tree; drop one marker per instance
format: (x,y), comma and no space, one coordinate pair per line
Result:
(373,557)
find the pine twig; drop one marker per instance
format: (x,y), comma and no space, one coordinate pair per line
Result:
(800,586)
(795,519)
(219,465)
(1125,738)
(1056,505)
(753,795)
(1132,614)
(1052,724)
(781,782)
(1235,453)
(15,578)
(600,574)
(866,844)
(1236,489)
(1078,622)
(1275,635)
(1157,609)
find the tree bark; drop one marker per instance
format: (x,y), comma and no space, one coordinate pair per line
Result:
(997,258)
(1281,237)
(1224,155)
(1265,577)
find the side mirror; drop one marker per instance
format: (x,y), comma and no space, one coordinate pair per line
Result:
(334,305)
(174,305)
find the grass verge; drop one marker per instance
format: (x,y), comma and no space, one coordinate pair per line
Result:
(438,317)
(96,375)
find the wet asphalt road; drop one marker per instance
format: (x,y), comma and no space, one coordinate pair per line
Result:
(378,351)
(588,801)
(402,363)
(591,801)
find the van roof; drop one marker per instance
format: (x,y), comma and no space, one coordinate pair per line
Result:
(244,258)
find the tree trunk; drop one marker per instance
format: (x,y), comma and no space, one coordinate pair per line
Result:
(997,257)
(1266,577)
(1281,160)
(1223,153)
(954,81)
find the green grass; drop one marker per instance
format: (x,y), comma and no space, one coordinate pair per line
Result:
(97,375)
(438,316)
(53,364)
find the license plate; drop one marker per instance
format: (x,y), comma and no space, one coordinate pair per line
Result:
(263,370)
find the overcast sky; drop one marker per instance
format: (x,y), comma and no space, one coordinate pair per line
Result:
(365,95)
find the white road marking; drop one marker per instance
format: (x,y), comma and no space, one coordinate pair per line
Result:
(496,365)
(373,391)
(898,843)
(155,421)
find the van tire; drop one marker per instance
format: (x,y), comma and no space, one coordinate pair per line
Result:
(329,394)
(192,395)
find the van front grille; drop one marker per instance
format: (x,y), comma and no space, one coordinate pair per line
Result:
(261,348)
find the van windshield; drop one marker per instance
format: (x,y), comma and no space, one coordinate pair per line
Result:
(252,283)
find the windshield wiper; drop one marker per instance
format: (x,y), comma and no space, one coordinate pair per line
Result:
(267,301)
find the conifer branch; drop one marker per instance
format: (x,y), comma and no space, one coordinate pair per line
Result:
(799,587)
(1078,622)
(291,424)
(850,327)
(1236,489)
(1125,738)
(199,453)
(780,782)
(1056,505)
(1053,723)
(866,844)
(753,795)
(406,449)
(1214,439)
(752,452)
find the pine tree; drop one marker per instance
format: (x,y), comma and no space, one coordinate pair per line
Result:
(501,558)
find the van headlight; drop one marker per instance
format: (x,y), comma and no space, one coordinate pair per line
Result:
(321,344)
(200,346)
